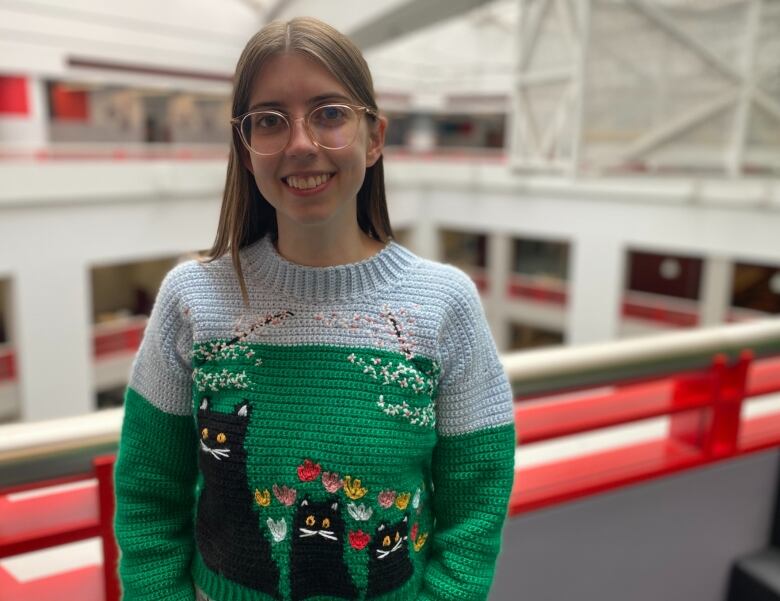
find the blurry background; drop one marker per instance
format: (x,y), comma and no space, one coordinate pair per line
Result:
(603,169)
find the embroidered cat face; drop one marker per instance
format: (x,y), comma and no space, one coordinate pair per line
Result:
(222,434)
(318,520)
(389,539)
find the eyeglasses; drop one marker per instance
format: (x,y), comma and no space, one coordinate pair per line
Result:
(330,126)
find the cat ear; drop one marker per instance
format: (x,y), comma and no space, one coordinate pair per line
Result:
(242,410)
(304,503)
(204,405)
(406,519)
(381,527)
(335,506)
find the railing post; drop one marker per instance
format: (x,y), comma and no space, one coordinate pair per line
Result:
(104,469)
(693,427)
(714,429)
(727,406)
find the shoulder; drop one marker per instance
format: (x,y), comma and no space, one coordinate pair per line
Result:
(198,277)
(453,287)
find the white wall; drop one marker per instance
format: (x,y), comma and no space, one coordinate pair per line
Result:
(56,222)
(59,219)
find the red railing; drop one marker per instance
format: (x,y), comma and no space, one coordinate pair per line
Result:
(704,408)
(123,338)
(7,364)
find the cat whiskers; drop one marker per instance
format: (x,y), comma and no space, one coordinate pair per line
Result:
(218,453)
(324,533)
(382,554)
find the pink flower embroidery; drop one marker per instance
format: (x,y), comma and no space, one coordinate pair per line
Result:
(309,470)
(331,481)
(285,495)
(387,498)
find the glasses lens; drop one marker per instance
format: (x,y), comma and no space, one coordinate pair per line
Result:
(333,126)
(265,132)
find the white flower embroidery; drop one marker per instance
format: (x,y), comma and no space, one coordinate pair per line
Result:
(360,512)
(278,529)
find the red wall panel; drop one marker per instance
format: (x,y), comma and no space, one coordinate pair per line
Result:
(13,96)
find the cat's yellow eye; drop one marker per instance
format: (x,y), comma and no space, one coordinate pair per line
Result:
(386,541)
(326,523)
(204,433)
(397,536)
(310,520)
(221,438)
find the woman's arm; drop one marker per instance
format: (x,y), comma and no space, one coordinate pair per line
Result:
(473,461)
(156,465)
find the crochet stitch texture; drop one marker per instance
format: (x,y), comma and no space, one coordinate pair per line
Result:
(351,436)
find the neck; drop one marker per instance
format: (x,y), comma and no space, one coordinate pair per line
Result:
(326,248)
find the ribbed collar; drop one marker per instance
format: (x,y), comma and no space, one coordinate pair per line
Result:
(334,282)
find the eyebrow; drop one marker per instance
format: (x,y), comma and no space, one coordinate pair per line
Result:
(312,101)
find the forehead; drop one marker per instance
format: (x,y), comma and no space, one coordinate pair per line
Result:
(293,78)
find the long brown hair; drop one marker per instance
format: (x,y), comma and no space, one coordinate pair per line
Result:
(246,216)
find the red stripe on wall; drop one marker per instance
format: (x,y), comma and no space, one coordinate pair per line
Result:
(13,96)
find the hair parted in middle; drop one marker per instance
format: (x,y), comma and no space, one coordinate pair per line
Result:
(246,216)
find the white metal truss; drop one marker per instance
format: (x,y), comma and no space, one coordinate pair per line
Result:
(651,84)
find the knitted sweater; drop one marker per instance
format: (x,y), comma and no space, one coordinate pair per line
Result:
(351,436)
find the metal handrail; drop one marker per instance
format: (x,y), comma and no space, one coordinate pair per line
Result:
(532,373)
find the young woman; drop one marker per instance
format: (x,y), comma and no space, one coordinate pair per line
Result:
(315,412)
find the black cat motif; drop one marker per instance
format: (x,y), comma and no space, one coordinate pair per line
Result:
(317,565)
(389,565)
(227,532)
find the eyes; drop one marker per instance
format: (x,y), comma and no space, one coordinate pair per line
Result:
(329,115)
(311,521)
(221,438)
(268,121)
(386,541)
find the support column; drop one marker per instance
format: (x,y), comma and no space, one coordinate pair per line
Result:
(499,256)
(424,237)
(53,336)
(715,295)
(595,289)
(31,128)
(422,135)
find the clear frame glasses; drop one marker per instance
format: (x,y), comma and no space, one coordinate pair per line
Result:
(330,126)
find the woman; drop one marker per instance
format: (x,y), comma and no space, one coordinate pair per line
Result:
(323,415)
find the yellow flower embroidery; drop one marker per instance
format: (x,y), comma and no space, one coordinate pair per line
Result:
(353,489)
(263,498)
(402,500)
(420,541)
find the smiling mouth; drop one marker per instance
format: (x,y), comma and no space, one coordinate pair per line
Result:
(307,182)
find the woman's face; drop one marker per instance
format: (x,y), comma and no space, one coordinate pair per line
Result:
(294,84)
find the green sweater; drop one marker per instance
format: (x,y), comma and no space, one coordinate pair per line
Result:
(351,436)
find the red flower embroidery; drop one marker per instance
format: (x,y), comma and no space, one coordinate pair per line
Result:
(414,532)
(358,539)
(309,470)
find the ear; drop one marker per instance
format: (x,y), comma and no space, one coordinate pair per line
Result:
(376,141)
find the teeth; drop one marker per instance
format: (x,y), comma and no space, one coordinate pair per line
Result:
(306,183)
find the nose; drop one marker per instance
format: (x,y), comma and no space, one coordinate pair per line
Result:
(300,143)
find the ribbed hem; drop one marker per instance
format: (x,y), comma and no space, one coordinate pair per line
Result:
(330,283)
